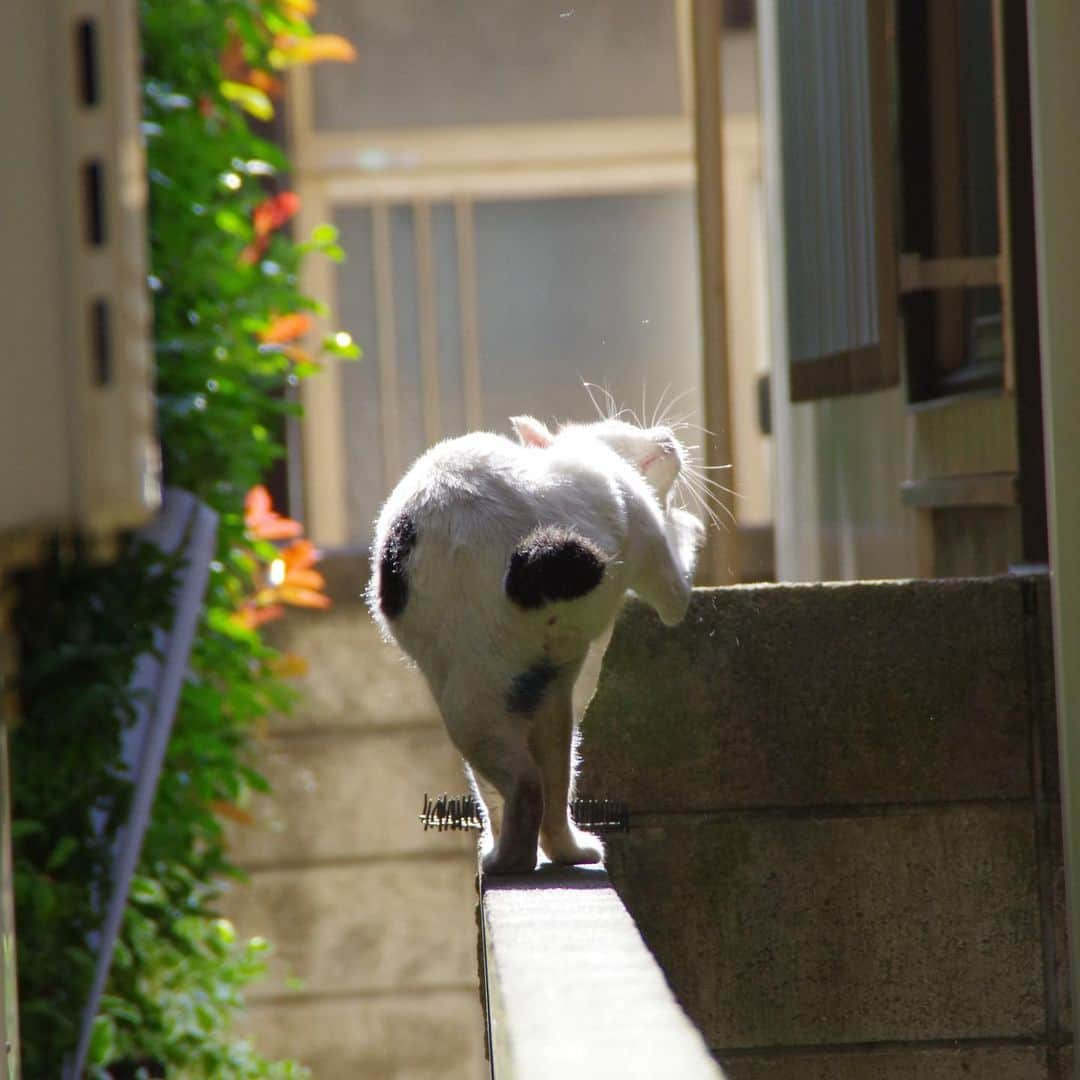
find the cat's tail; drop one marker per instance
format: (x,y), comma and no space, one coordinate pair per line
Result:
(553,563)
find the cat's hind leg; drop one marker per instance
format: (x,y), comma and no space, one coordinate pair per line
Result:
(488,796)
(551,739)
(506,763)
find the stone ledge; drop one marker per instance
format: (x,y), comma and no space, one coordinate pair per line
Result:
(787,932)
(810,695)
(959,1062)
(570,988)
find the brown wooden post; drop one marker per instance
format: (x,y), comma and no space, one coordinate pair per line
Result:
(720,562)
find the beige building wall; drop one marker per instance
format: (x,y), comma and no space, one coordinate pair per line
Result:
(372,919)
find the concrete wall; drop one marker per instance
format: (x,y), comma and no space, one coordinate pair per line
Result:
(845,846)
(373,920)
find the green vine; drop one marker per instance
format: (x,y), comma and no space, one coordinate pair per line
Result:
(230,329)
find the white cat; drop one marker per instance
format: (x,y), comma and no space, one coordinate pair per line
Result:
(497,565)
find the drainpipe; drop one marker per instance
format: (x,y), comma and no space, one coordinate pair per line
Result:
(1054,45)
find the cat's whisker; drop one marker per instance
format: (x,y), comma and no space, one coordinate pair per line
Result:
(703,505)
(717,485)
(688,426)
(715,518)
(707,498)
(671,405)
(659,403)
(715,493)
(613,411)
(713,499)
(589,388)
(682,423)
(616,413)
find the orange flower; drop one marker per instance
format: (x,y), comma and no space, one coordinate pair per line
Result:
(263,521)
(286,328)
(268,216)
(253,252)
(289,578)
(233,65)
(289,666)
(232,811)
(274,211)
(289,49)
(300,555)
(235,68)
(264,81)
(251,616)
(299,597)
(295,581)
(299,9)
(301,356)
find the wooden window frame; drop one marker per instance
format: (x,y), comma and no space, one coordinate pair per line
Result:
(946,275)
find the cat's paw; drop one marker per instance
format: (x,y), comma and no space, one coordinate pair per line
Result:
(575,848)
(504,861)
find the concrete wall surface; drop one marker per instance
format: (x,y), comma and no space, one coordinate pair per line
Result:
(374,972)
(845,843)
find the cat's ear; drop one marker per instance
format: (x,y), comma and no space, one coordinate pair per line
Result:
(531,432)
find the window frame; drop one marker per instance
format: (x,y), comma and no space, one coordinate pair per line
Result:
(944,276)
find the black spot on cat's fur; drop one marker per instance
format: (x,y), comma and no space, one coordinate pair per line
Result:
(393,582)
(553,563)
(527,689)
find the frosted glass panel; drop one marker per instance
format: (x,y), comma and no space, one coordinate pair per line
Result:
(601,288)
(407,322)
(356,312)
(448,316)
(426,63)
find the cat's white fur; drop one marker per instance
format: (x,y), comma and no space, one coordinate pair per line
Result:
(472,501)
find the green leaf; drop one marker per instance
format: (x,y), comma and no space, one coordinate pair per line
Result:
(147,891)
(249,98)
(229,221)
(61,853)
(20,829)
(342,346)
(102,1040)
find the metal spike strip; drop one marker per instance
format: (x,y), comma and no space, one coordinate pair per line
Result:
(600,815)
(451,813)
(454,813)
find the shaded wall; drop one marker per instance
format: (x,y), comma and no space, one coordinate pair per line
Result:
(845,845)
(374,971)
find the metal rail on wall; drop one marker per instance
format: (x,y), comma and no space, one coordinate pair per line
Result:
(187,527)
